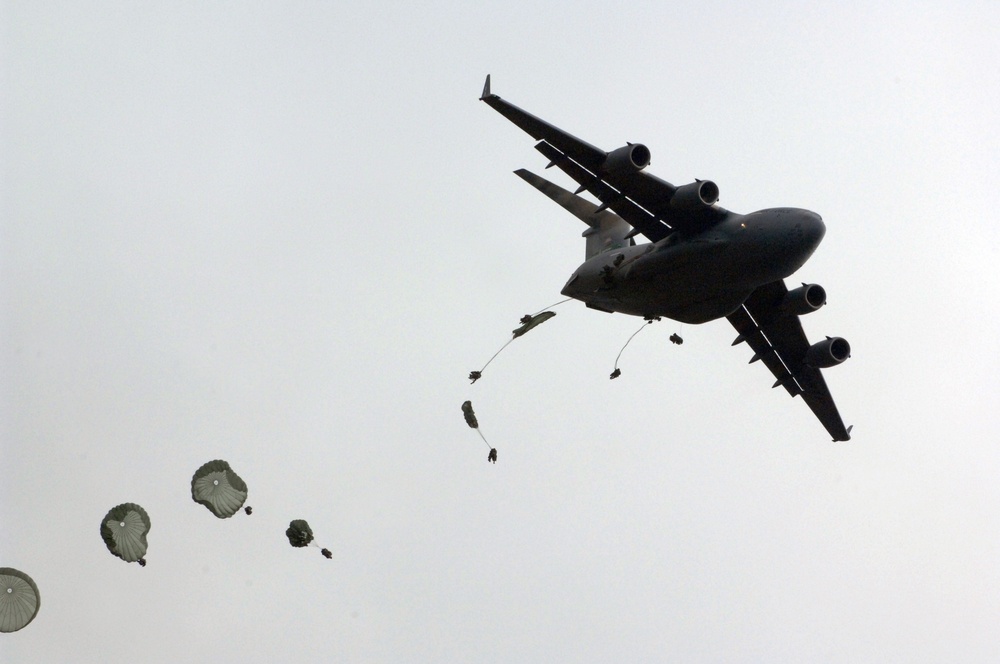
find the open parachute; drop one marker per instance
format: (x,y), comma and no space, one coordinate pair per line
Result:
(218,488)
(301,535)
(19,599)
(124,530)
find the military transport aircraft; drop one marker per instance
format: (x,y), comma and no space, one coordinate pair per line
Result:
(703,262)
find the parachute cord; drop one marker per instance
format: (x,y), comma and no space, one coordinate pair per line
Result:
(551,306)
(484,438)
(495,354)
(618,373)
(476,375)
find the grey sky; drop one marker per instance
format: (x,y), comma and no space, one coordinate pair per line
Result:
(283,236)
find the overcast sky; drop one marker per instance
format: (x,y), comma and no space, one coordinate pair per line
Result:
(282,235)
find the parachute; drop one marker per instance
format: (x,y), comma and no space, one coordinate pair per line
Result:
(470,415)
(300,535)
(19,599)
(218,488)
(528,323)
(124,530)
(470,419)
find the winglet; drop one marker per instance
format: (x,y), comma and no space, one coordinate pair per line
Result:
(486,88)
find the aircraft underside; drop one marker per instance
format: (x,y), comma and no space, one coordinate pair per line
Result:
(642,281)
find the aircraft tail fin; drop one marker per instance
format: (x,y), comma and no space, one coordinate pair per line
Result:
(607,231)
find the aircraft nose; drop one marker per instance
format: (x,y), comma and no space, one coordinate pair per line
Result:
(813,228)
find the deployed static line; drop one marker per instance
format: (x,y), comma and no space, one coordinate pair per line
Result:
(618,372)
(675,338)
(528,323)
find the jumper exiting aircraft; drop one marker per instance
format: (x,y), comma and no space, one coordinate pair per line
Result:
(702,262)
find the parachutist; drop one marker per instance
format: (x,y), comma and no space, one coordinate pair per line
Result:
(676,338)
(475,375)
(493,455)
(526,318)
(142,562)
(248,510)
(326,552)
(616,373)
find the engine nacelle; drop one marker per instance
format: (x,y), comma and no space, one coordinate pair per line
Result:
(631,158)
(803,300)
(695,196)
(827,353)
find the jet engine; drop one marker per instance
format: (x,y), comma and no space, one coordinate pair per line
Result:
(803,300)
(695,196)
(631,158)
(830,352)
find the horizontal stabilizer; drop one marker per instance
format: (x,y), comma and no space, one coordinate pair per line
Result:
(607,230)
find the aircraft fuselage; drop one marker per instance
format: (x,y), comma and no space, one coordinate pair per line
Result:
(701,277)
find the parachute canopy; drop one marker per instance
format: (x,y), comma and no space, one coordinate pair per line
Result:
(124,530)
(470,419)
(470,415)
(19,599)
(299,533)
(530,322)
(218,488)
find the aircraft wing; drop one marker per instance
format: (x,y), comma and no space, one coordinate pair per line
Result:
(622,192)
(780,343)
